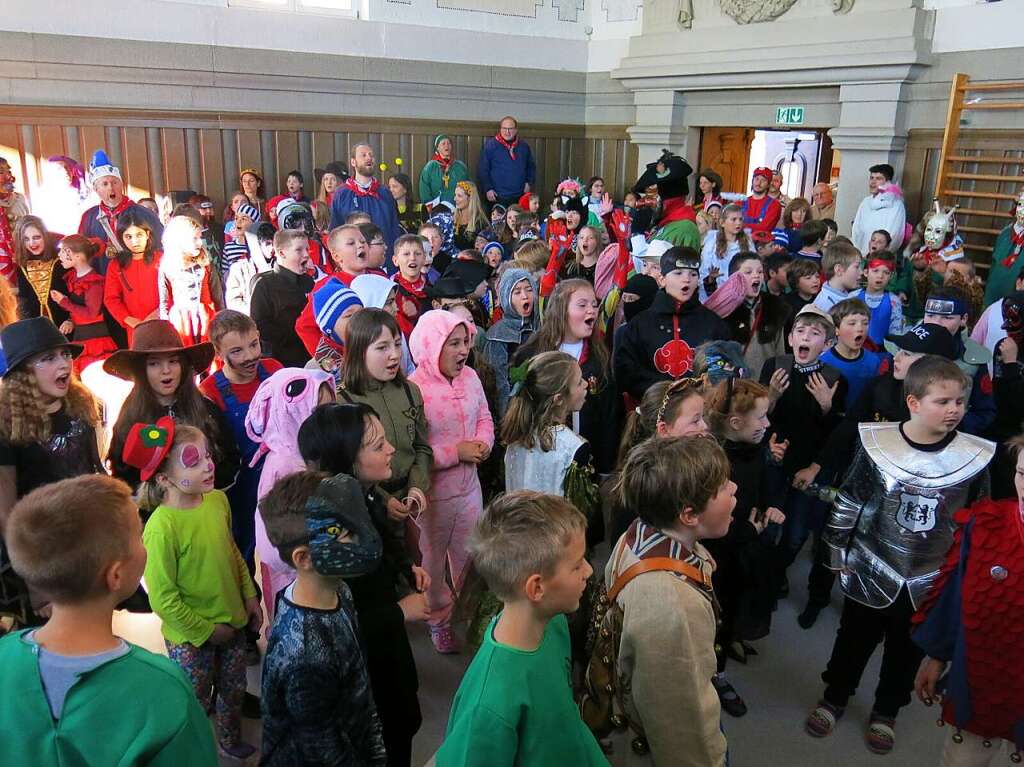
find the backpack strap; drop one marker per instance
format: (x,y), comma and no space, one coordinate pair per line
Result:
(667,564)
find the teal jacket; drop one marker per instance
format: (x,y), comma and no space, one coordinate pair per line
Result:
(432,181)
(137,709)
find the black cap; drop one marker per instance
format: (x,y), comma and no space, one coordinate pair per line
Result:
(928,338)
(20,340)
(449,286)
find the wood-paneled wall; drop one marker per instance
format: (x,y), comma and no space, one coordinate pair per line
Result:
(921,170)
(164,151)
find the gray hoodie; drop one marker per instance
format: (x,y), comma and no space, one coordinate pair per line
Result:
(506,335)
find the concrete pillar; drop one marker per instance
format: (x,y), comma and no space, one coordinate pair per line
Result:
(871,130)
(660,124)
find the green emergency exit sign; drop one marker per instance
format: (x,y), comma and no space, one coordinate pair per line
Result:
(789,115)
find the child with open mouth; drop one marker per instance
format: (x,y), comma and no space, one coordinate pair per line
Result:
(849,355)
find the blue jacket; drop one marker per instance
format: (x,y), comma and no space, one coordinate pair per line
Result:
(499,172)
(381,209)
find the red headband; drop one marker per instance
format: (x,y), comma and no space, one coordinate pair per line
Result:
(762,171)
(874,263)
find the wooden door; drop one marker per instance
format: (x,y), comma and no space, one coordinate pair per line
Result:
(727,152)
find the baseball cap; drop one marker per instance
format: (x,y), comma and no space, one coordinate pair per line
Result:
(680,257)
(927,338)
(817,311)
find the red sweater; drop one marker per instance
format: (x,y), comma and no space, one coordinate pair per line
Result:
(132,291)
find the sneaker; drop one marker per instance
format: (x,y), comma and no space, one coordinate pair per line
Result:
(731,701)
(809,616)
(445,641)
(239,752)
(822,721)
(881,734)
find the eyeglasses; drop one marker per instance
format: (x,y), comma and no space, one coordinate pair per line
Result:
(679,386)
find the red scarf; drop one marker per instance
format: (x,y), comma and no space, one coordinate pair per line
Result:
(1017,239)
(113,213)
(445,164)
(509,145)
(370,191)
(411,298)
(676,209)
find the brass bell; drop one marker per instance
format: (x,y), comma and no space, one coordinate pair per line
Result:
(940,722)
(618,721)
(986,743)
(640,747)
(1015,757)
(957,737)
(609,688)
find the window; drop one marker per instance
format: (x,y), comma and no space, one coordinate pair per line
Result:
(312,6)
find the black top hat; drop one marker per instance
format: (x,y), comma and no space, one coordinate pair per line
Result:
(20,340)
(449,286)
(670,173)
(472,273)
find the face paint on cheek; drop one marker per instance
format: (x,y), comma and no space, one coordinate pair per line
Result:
(190,457)
(186,483)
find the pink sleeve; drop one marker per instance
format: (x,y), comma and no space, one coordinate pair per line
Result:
(484,422)
(981,329)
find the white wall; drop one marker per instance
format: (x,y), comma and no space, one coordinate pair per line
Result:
(960,26)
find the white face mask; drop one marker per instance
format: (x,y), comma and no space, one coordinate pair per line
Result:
(936,230)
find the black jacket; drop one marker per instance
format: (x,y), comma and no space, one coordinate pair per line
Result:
(642,337)
(278,299)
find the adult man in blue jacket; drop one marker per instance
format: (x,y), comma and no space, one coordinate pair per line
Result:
(363,192)
(506,171)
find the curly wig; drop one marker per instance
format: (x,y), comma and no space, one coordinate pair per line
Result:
(23,416)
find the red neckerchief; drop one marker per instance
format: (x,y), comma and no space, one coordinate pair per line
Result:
(370,191)
(410,299)
(676,209)
(113,213)
(510,146)
(1017,240)
(585,351)
(445,164)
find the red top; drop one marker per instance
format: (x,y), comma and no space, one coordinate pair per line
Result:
(89,289)
(244,392)
(132,291)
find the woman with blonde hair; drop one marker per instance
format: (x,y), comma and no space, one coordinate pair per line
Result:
(185,296)
(469,215)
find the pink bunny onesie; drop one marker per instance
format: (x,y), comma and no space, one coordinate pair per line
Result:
(456,411)
(275,414)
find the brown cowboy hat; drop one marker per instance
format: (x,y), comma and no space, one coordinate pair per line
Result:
(156,337)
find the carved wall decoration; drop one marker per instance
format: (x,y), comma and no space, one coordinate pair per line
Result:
(685,13)
(620,10)
(568,10)
(755,11)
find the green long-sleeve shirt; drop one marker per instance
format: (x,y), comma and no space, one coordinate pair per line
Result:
(134,710)
(195,575)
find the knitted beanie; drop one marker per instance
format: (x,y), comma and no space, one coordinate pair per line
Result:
(329,302)
(249,211)
(439,138)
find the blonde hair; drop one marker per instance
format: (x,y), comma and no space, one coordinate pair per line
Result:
(534,253)
(661,403)
(541,403)
(61,537)
(177,243)
(522,534)
(150,493)
(663,477)
(474,218)
(285,237)
(838,253)
(23,416)
(732,397)
(721,243)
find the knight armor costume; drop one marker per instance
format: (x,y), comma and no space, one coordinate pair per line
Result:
(892,522)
